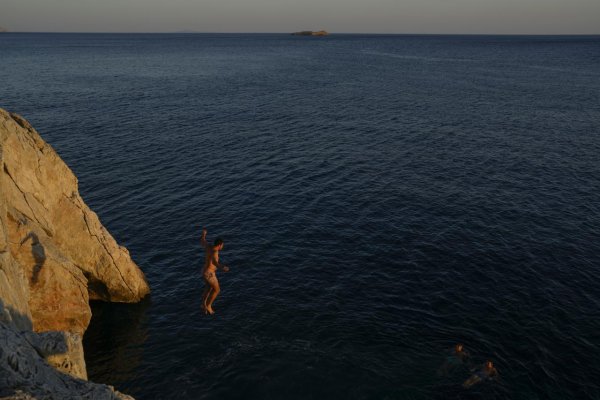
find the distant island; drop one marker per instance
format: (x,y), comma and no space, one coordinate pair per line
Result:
(3,29)
(311,33)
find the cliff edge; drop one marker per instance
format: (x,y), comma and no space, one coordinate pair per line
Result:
(55,255)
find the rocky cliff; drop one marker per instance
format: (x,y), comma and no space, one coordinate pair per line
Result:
(25,372)
(55,255)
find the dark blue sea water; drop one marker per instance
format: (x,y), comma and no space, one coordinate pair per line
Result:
(381,198)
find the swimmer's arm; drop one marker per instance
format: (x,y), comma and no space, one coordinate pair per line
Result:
(476,368)
(494,375)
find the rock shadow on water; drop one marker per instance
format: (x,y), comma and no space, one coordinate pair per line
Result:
(114,341)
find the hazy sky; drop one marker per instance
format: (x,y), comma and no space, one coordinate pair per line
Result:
(377,16)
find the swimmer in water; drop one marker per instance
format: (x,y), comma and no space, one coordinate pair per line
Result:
(458,356)
(209,272)
(487,372)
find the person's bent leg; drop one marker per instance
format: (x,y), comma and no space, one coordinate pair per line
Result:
(215,289)
(207,290)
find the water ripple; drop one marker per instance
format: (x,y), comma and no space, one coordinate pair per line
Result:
(381,198)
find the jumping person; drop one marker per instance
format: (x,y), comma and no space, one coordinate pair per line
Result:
(209,272)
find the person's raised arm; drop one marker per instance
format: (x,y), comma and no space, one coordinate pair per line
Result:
(203,238)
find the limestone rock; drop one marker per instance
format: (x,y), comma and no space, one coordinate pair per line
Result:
(55,256)
(64,252)
(14,290)
(69,359)
(24,374)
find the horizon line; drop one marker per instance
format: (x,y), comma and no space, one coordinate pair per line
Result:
(184,31)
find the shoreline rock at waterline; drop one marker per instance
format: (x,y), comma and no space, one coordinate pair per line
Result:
(26,374)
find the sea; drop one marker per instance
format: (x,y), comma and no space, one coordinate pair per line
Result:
(381,198)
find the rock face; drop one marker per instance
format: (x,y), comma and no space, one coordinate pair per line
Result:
(65,254)
(24,374)
(55,255)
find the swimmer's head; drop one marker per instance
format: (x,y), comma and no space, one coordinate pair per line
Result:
(458,348)
(219,243)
